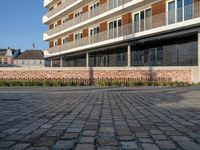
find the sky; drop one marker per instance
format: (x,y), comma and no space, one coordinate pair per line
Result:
(21,24)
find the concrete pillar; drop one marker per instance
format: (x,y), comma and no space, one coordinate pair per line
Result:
(61,62)
(198,42)
(87,59)
(129,55)
(51,61)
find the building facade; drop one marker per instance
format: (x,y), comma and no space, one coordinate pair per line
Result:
(7,57)
(30,58)
(134,34)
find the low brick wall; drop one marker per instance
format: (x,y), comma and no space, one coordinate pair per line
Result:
(96,74)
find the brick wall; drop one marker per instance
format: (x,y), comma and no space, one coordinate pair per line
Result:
(133,75)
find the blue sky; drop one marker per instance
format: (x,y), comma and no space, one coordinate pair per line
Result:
(21,24)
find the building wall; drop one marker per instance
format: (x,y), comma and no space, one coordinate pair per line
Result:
(28,63)
(6,60)
(168,74)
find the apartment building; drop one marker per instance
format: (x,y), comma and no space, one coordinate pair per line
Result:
(133,34)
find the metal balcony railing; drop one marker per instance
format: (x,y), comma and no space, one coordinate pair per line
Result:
(85,16)
(190,12)
(59,8)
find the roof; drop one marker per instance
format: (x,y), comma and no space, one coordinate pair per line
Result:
(3,51)
(31,54)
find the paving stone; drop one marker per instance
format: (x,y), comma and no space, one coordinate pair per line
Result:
(145,140)
(107,148)
(89,133)
(74,130)
(166,144)
(67,145)
(6,144)
(150,147)
(85,147)
(129,145)
(89,140)
(101,118)
(70,136)
(20,146)
(38,148)
(189,145)
(126,138)
(180,138)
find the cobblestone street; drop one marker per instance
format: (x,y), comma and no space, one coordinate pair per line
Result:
(87,118)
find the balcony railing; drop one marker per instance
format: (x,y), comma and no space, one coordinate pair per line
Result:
(85,16)
(60,7)
(47,2)
(164,19)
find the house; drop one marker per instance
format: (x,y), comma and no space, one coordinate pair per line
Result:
(30,58)
(159,35)
(7,57)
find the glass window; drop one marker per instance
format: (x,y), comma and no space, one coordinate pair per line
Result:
(171,12)
(136,23)
(142,21)
(112,57)
(115,29)
(179,10)
(148,19)
(188,9)
(173,52)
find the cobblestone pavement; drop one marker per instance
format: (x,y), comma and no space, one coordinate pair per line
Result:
(100,118)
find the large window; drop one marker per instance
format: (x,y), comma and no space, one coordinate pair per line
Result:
(115,28)
(74,61)
(94,37)
(109,58)
(171,12)
(94,9)
(115,3)
(142,20)
(173,52)
(179,10)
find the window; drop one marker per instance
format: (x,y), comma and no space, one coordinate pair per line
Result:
(65,19)
(78,60)
(115,29)
(179,10)
(94,34)
(94,10)
(109,58)
(115,3)
(78,16)
(65,40)
(172,52)
(12,61)
(0,60)
(171,12)
(55,24)
(78,36)
(5,60)
(56,43)
(143,20)
(188,9)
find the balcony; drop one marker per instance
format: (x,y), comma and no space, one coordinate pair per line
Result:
(54,12)
(158,23)
(83,18)
(47,2)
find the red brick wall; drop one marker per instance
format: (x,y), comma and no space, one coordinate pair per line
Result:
(135,75)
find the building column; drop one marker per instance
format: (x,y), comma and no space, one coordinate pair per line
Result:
(51,61)
(198,57)
(129,55)
(87,59)
(61,62)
